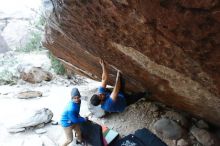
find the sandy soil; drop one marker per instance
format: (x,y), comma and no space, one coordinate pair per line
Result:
(55,97)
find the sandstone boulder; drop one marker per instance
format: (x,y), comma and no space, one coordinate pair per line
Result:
(168,47)
(182,142)
(31,119)
(168,129)
(182,120)
(33,74)
(29,94)
(204,137)
(202,124)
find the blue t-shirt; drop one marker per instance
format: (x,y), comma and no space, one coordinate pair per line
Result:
(112,106)
(71,115)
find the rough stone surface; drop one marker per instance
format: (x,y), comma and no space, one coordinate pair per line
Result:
(34,118)
(169,47)
(41,125)
(204,137)
(16,35)
(168,129)
(16,130)
(40,131)
(29,94)
(17,20)
(3,45)
(202,124)
(182,142)
(178,118)
(33,74)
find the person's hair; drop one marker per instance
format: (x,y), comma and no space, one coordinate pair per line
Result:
(95,100)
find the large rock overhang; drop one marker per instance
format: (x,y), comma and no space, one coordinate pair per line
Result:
(167,46)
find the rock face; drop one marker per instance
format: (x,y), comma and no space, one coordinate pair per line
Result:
(15,23)
(169,47)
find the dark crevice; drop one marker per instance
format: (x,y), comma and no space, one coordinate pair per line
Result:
(198,10)
(165,3)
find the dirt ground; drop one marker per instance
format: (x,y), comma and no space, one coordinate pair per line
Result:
(55,96)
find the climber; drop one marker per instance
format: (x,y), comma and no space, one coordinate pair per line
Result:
(71,119)
(117,100)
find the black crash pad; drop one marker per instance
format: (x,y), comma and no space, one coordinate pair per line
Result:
(129,140)
(141,137)
(92,133)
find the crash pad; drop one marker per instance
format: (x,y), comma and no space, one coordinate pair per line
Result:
(141,137)
(92,133)
(108,134)
(97,135)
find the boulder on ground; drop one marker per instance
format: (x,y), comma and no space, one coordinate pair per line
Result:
(202,124)
(33,74)
(16,130)
(17,33)
(33,118)
(182,120)
(40,131)
(204,137)
(168,129)
(182,142)
(29,94)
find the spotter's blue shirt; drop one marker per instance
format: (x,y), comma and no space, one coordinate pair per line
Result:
(71,115)
(112,106)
